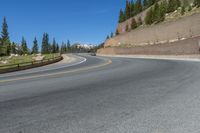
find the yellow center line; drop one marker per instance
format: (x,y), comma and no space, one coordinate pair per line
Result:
(58,73)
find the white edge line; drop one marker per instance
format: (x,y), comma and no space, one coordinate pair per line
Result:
(84,60)
(157,58)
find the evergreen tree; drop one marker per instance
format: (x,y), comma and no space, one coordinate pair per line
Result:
(5,41)
(35,46)
(24,46)
(151,2)
(163,10)
(138,6)
(145,4)
(128,10)
(149,17)
(68,44)
(63,48)
(197,3)
(185,3)
(13,48)
(54,46)
(121,16)
(156,13)
(178,4)
(171,6)
(57,48)
(45,44)
(133,13)
(133,24)
(4,33)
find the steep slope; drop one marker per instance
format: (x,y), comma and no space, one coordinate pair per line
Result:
(179,33)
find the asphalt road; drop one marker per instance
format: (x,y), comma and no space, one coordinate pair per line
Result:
(97,96)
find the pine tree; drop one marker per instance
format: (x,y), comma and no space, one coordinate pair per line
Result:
(35,46)
(145,4)
(13,48)
(132,8)
(163,10)
(149,17)
(151,2)
(178,4)
(133,24)
(5,41)
(57,48)
(4,33)
(45,44)
(63,48)
(185,3)
(24,46)
(138,6)
(128,10)
(171,6)
(156,13)
(121,16)
(197,3)
(54,46)
(68,46)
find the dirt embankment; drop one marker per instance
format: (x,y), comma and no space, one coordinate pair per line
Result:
(164,32)
(183,47)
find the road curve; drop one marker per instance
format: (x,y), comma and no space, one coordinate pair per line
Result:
(97,96)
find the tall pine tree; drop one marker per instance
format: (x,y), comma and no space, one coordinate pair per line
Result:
(35,46)
(54,46)
(5,41)
(45,44)
(122,17)
(68,44)
(24,46)
(138,6)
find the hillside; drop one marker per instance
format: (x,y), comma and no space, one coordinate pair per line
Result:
(179,25)
(127,20)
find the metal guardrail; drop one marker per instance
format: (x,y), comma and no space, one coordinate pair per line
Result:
(28,65)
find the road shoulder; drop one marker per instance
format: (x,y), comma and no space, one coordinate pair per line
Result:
(159,57)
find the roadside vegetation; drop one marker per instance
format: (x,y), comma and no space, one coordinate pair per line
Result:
(156,11)
(11,60)
(172,8)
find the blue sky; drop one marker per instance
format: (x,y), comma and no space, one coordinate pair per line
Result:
(84,21)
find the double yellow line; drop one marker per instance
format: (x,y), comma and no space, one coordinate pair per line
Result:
(58,73)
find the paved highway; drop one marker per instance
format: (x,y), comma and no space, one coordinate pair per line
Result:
(100,96)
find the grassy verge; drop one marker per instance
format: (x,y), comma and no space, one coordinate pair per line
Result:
(23,60)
